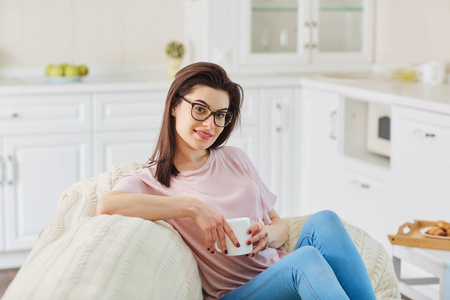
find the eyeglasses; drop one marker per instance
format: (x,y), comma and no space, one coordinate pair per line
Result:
(200,112)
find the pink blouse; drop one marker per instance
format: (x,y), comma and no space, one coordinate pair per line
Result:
(229,183)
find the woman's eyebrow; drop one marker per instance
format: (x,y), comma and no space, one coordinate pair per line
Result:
(206,104)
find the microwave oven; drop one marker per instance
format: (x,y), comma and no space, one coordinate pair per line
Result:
(379,129)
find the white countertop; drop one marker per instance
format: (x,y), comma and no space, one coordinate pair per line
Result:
(363,86)
(434,98)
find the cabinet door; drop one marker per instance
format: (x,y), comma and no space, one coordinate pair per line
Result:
(275,32)
(320,158)
(341,31)
(421,164)
(277,140)
(111,149)
(364,204)
(38,170)
(2,183)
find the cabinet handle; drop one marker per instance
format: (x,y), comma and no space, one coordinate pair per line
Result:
(332,132)
(314,46)
(278,116)
(307,24)
(14,115)
(360,184)
(10,170)
(2,170)
(314,24)
(423,134)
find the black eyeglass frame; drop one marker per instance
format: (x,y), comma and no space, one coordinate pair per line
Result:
(214,113)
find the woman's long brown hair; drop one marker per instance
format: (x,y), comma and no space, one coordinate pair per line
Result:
(197,74)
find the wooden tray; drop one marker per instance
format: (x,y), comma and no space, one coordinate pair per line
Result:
(413,238)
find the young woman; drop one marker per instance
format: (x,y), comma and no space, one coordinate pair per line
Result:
(195,184)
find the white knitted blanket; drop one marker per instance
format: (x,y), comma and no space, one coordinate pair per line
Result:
(79,256)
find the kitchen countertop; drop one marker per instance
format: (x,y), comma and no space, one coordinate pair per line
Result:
(364,86)
(376,88)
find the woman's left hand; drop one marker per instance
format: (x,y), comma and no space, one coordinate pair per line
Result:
(260,237)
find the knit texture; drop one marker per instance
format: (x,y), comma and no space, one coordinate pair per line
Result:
(82,256)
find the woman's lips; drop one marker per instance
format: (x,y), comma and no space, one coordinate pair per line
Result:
(203,134)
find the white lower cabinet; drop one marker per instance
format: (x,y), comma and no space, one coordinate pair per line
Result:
(37,170)
(320,153)
(365,204)
(2,198)
(112,149)
(421,165)
(330,180)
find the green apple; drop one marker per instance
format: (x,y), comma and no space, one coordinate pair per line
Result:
(48,69)
(71,71)
(56,71)
(83,69)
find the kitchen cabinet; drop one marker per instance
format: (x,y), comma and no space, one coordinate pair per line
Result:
(113,148)
(365,204)
(279,36)
(2,198)
(45,146)
(420,164)
(356,188)
(320,163)
(38,169)
(125,126)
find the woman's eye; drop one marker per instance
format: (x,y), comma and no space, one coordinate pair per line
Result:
(199,109)
(221,115)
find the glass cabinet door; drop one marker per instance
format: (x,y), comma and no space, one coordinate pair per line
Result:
(272,32)
(341,28)
(274,26)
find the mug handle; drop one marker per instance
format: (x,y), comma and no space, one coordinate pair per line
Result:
(217,247)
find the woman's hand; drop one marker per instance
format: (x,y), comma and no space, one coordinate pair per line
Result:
(260,237)
(263,236)
(214,227)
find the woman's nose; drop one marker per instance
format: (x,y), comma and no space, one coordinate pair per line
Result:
(209,123)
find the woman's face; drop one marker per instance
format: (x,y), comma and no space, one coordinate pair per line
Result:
(193,134)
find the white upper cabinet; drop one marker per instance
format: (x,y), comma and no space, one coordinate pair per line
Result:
(341,31)
(253,36)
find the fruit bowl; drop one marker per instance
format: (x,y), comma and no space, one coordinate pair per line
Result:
(63,79)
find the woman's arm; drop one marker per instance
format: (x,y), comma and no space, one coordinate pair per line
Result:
(273,235)
(152,207)
(146,206)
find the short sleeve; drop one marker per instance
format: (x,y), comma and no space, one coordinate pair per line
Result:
(131,184)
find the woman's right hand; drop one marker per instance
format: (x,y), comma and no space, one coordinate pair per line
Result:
(213,225)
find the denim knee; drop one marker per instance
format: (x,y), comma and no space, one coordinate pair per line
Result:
(325,216)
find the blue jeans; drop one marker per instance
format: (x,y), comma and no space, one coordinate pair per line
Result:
(325,264)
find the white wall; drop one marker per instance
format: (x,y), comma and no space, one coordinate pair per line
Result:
(412,31)
(34,33)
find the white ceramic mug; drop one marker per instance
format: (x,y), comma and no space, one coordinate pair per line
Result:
(239,227)
(432,72)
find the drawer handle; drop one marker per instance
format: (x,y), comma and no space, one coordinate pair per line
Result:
(423,134)
(14,115)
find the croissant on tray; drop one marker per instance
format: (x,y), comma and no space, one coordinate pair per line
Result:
(435,230)
(440,228)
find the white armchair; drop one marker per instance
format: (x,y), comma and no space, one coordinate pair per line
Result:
(82,256)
